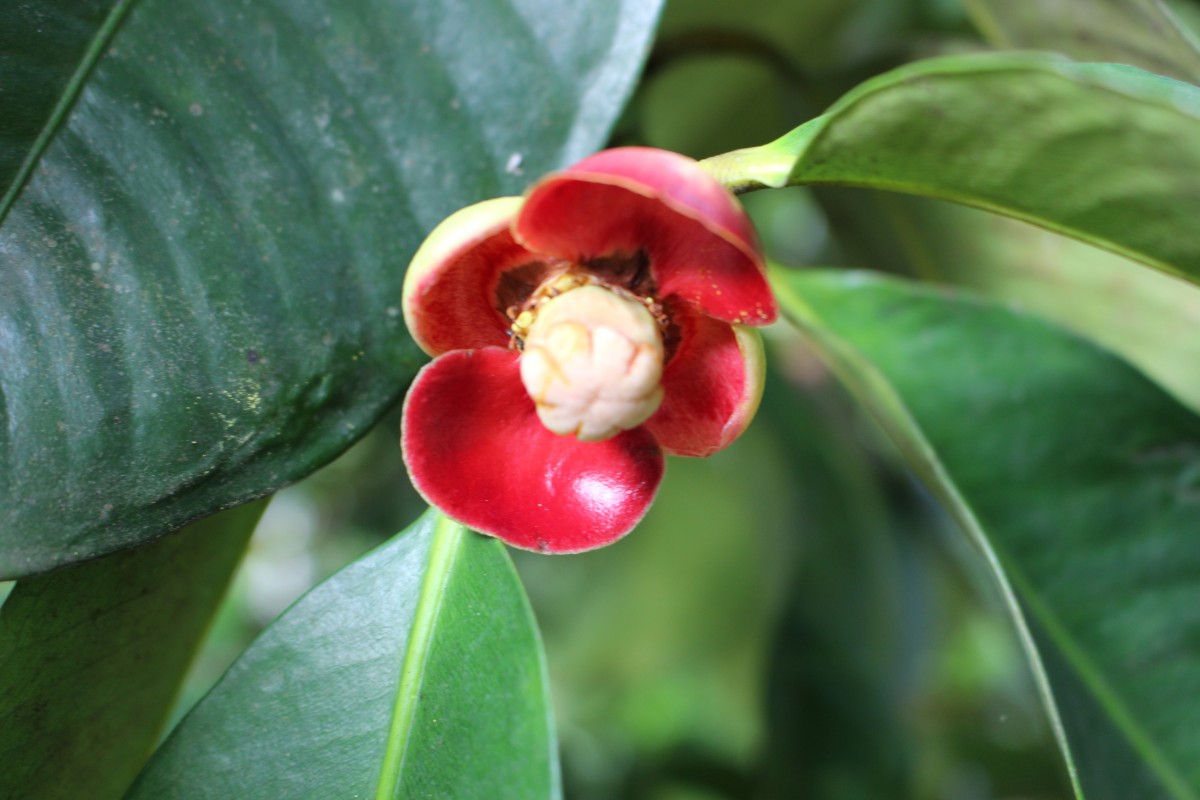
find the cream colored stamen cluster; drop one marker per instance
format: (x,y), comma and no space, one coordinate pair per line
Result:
(592,363)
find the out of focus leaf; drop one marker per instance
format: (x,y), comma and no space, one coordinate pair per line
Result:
(1143,315)
(841,672)
(91,657)
(1077,479)
(416,672)
(1143,33)
(202,274)
(658,644)
(1105,153)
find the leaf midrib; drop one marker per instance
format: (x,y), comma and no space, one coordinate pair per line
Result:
(443,551)
(66,101)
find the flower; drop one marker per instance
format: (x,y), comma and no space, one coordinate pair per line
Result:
(578,334)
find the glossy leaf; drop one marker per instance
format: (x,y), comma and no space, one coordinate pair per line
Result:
(92,656)
(1143,33)
(46,51)
(1106,153)
(202,276)
(1074,476)
(416,672)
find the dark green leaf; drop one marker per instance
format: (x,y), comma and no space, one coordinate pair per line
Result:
(46,51)
(416,672)
(1143,315)
(1105,153)
(1077,479)
(202,277)
(1143,33)
(840,675)
(94,654)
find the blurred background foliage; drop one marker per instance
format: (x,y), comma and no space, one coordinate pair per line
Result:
(795,617)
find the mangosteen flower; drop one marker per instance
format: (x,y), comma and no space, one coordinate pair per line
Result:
(578,334)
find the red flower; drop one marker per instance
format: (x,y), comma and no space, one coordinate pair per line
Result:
(579,333)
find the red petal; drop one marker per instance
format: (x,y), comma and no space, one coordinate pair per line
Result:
(702,246)
(449,290)
(712,385)
(475,448)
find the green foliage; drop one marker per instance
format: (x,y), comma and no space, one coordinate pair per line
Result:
(1081,149)
(203,271)
(206,212)
(1143,33)
(416,672)
(94,654)
(1076,479)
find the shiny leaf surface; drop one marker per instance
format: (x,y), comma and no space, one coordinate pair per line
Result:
(1105,153)
(1076,479)
(202,275)
(416,672)
(92,656)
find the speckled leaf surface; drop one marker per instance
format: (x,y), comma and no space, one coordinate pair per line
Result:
(202,274)
(1075,477)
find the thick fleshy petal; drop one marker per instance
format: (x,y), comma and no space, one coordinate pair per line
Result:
(475,448)
(450,287)
(700,244)
(712,385)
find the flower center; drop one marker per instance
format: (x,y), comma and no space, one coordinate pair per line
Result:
(592,362)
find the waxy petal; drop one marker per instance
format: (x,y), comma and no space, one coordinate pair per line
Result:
(475,448)
(449,289)
(712,384)
(700,243)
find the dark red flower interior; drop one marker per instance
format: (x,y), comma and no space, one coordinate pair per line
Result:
(698,243)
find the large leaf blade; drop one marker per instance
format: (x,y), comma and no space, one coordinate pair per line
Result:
(93,656)
(1076,478)
(202,277)
(1105,153)
(414,672)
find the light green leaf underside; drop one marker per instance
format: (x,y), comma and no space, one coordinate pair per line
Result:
(1079,482)
(416,672)
(92,656)
(202,276)
(1105,153)
(1143,33)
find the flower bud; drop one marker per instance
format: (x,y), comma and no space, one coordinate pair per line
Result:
(593,363)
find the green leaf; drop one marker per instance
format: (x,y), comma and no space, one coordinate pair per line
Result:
(46,51)
(839,679)
(1077,479)
(94,654)
(416,672)
(1143,33)
(202,276)
(1105,153)
(1142,315)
